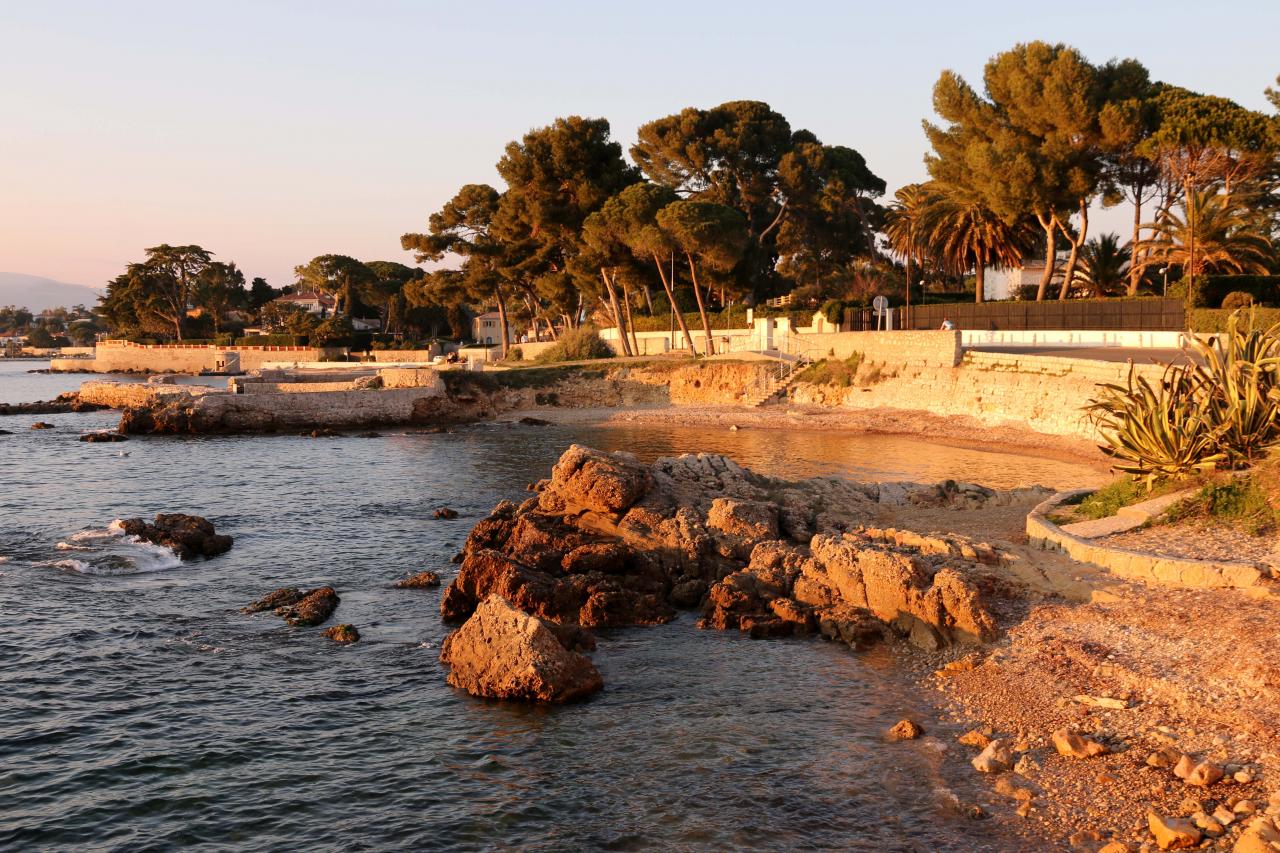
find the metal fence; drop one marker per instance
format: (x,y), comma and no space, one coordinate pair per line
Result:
(1146,315)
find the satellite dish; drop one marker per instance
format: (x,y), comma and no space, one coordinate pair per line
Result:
(880,303)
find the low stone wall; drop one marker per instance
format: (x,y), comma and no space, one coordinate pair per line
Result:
(1040,393)
(294,387)
(893,349)
(333,409)
(121,395)
(127,357)
(1134,565)
(410,377)
(403,356)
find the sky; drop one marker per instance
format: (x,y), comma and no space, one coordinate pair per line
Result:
(271,132)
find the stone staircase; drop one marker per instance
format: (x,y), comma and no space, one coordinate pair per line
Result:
(776,386)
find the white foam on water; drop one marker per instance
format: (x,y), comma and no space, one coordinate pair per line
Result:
(69,565)
(67,546)
(151,557)
(4,559)
(114,529)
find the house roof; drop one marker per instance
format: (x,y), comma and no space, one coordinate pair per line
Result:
(488,315)
(323,298)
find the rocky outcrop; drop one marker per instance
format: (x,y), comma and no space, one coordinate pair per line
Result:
(189,536)
(67,402)
(609,541)
(503,653)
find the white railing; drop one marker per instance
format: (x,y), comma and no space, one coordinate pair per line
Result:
(794,353)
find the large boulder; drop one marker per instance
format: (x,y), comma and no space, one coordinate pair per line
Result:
(504,653)
(189,536)
(314,608)
(609,541)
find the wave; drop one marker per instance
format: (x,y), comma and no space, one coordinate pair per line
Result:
(113,530)
(67,546)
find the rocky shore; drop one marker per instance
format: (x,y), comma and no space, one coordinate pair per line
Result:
(1107,716)
(62,404)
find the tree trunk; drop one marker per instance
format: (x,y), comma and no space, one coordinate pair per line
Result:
(631,326)
(1050,226)
(1068,276)
(979,282)
(648,301)
(675,309)
(702,308)
(502,320)
(1135,271)
(1190,273)
(617,313)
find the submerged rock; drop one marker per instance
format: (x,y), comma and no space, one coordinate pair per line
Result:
(188,535)
(344,634)
(314,608)
(503,653)
(104,435)
(418,581)
(42,425)
(445,512)
(905,730)
(67,402)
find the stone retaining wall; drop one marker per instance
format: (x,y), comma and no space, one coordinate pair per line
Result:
(1041,393)
(1134,565)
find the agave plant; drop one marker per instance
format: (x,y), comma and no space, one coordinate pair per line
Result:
(1158,431)
(1240,374)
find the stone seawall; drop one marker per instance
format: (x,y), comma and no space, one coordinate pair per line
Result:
(126,357)
(1044,394)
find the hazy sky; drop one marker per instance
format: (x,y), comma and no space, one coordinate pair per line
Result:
(270,132)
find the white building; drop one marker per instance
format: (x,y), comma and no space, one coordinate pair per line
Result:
(1004,283)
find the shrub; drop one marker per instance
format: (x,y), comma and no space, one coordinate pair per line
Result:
(1237,299)
(833,372)
(1157,431)
(578,344)
(1223,411)
(1211,321)
(1239,502)
(334,332)
(515,354)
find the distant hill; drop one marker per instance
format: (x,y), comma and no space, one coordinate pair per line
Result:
(37,293)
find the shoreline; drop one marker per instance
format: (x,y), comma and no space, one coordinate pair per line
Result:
(954,431)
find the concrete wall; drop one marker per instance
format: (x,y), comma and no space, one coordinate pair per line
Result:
(912,349)
(1067,338)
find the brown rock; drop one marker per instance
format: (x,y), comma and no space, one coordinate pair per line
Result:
(282,597)
(1172,833)
(445,512)
(604,482)
(42,425)
(975,737)
(1075,745)
(905,730)
(996,757)
(312,609)
(344,633)
(103,436)
(420,580)
(503,653)
(1204,774)
(188,536)
(1164,758)
(1260,836)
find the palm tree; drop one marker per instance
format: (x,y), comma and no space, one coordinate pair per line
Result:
(963,234)
(1104,265)
(1222,237)
(903,225)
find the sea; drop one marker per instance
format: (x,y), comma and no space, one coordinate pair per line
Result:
(141,710)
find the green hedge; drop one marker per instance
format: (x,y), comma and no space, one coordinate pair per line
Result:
(1212,289)
(1211,320)
(272,341)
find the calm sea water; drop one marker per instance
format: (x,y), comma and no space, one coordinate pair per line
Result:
(139,710)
